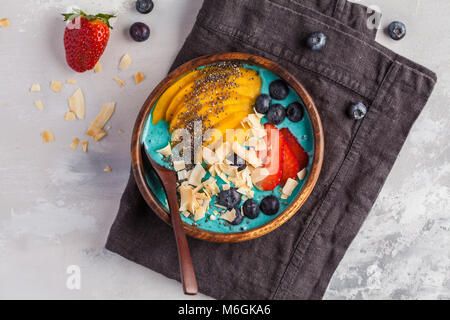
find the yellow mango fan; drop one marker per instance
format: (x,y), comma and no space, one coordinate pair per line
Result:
(219,95)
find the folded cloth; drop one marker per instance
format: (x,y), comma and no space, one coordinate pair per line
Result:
(297,260)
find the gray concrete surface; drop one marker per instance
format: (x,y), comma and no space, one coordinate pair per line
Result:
(56,205)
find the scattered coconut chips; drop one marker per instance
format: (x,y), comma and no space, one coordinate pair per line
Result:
(95,130)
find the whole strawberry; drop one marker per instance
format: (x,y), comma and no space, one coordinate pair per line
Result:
(85,39)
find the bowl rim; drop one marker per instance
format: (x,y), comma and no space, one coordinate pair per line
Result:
(291,210)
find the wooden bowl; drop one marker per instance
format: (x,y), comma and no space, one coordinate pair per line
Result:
(137,159)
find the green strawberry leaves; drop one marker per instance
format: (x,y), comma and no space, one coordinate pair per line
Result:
(79,13)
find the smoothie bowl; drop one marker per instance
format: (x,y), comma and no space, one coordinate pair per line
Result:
(245,139)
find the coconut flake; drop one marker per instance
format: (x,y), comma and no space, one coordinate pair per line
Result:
(95,130)
(74,143)
(139,77)
(302,174)
(229,216)
(84,144)
(289,186)
(166,151)
(182,175)
(120,82)
(70,116)
(179,165)
(197,175)
(125,62)
(35,88)
(48,136)
(56,86)
(4,23)
(209,156)
(98,67)
(39,104)
(76,103)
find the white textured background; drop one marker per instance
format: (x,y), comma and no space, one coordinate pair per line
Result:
(57,205)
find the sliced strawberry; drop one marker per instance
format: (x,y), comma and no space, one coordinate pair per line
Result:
(296,148)
(274,160)
(290,164)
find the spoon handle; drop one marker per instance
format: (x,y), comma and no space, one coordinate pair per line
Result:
(188,278)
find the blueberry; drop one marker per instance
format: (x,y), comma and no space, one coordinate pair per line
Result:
(229,198)
(239,217)
(144,6)
(139,31)
(276,114)
(316,41)
(294,112)
(270,205)
(357,111)
(251,209)
(278,90)
(397,30)
(263,103)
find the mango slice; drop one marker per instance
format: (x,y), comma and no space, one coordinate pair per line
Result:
(246,88)
(207,106)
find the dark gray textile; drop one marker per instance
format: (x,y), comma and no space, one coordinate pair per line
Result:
(297,260)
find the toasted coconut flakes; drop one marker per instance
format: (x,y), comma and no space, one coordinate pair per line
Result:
(70,116)
(35,88)
(199,213)
(84,144)
(302,174)
(71,81)
(229,216)
(185,213)
(139,77)
(56,86)
(39,104)
(95,130)
(125,62)
(182,175)
(209,156)
(179,165)
(48,136)
(74,143)
(107,169)
(4,23)
(166,151)
(98,67)
(76,103)
(289,187)
(120,82)
(197,175)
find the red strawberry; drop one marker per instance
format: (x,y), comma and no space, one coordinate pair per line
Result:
(85,39)
(296,148)
(290,164)
(274,160)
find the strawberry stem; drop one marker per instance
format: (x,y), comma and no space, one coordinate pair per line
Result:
(79,13)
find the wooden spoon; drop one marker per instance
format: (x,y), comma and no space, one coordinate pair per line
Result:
(169,180)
